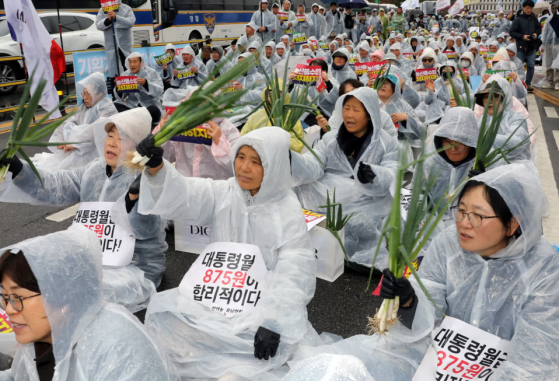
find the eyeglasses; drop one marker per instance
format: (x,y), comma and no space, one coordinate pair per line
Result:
(459,147)
(15,300)
(475,219)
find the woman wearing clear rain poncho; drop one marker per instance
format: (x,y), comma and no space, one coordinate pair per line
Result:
(497,274)
(256,207)
(96,105)
(360,160)
(339,68)
(105,180)
(66,330)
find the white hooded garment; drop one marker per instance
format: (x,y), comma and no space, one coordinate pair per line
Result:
(206,344)
(513,295)
(91,339)
(370,202)
(346,71)
(197,63)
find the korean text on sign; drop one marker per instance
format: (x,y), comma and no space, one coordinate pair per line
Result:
(307,75)
(283,16)
(163,59)
(300,38)
(422,75)
(126,85)
(374,68)
(109,5)
(229,278)
(185,73)
(198,135)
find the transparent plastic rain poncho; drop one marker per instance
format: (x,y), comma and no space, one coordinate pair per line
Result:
(328,53)
(345,72)
(167,75)
(513,295)
(317,22)
(470,57)
(438,101)
(77,128)
(328,367)
(146,97)
(509,123)
(200,160)
(327,99)
(519,64)
(550,41)
(90,183)
(124,23)
(211,65)
(363,45)
(92,339)
(267,20)
(517,87)
(371,202)
(253,82)
(197,63)
(263,64)
(479,61)
(277,56)
(204,343)
(274,58)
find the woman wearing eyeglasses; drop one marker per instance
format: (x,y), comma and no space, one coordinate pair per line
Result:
(493,270)
(51,291)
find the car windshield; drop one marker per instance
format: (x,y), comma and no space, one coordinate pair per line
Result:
(4,31)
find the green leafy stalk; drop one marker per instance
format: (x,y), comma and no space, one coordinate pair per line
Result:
(335,220)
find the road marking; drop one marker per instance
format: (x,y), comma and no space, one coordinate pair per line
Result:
(551,222)
(556,136)
(64,214)
(551,112)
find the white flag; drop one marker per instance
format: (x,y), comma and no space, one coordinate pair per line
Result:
(42,54)
(442,4)
(455,9)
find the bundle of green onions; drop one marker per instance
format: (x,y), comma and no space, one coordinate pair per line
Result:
(404,245)
(206,103)
(24,134)
(382,77)
(456,94)
(335,221)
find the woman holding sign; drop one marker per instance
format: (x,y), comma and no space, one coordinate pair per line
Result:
(52,292)
(105,180)
(255,207)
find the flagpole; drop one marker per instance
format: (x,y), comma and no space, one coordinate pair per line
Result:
(62,44)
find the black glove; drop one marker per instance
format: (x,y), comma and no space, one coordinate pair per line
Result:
(266,343)
(392,287)
(474,173)
(15,164)
(147,148)
(134,190)
(365,173)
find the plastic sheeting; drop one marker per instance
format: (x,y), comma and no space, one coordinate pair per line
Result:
(371,202)
(204,343)
(92,340)
(90,183)
(329,368)
(197,63)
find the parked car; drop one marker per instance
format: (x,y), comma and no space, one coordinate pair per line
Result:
(78,33)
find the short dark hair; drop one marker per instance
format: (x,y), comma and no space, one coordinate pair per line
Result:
(494,199)
(234,42)
(350,81)
(16,267)
(528,3)
(321,63)
(333,4)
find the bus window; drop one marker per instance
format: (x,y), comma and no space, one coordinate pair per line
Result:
(234,5)
(135,3)
(189,5)
(251,5)
(214,5)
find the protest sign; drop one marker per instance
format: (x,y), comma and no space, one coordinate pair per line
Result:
(126,85)
(301,17)
(362,17)
(435,28)
(409,56)
(300,38)
(5,326)
(185,73)
(198,135)
(503,73)
(309,75)
(442,4)
(353,59)
(324,45)
(163,59)
(474,32)
(489,56)
(370,30)
(229,87)
(117,241)
(450,54)
(109,5)
(460,351)
(422,75)
(362,67)
(283,16)
(314,43)
(227,277)
(170,110)
(313,218)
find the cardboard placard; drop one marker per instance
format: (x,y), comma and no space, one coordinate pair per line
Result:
(126,84)
(227,277)
(163,59)
(489,56)
(324,45)
(312,137)
(283,16)
(301,17)
(461,351)
(362,67)
(300,38)
(117,241)
(185,73)
(362,17)
(422,75)
(370,30)
(109,5)
(230,87)
(198,135)
(353,59)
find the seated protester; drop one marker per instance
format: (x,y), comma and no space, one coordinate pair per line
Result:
(414,48)
(195,159)
(403,115)
(511,121)
(217,55)
(232,50)
(345,87)
(376,56)
(52,293)
(441,58)
(512,51)
(410,95)
(501,40)
(360,160)
(255,207)
(402,41)
(404,63)
(77,128)
(328,54)
(281,52)
(450,49)
(260,119)
(363,51)
(305,50)
(439,94)
(270,52)
(479,63)
(253,81)
(497,274)
(150,85)
(198,70)
(493,47)
(339,68)
(391,41)
(105,179)
(519,91)
(206,54)
(376,45)
(466,62)
(263,64)
(166,70)
(459,44)
(286,40)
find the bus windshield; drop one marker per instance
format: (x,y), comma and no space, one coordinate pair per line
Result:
(4,31)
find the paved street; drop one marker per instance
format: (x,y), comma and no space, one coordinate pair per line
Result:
(340,307)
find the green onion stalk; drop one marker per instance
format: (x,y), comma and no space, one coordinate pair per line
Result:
(407,238)
(335,221)
(25,134)
(382,77)
(206,103)
(460,102)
